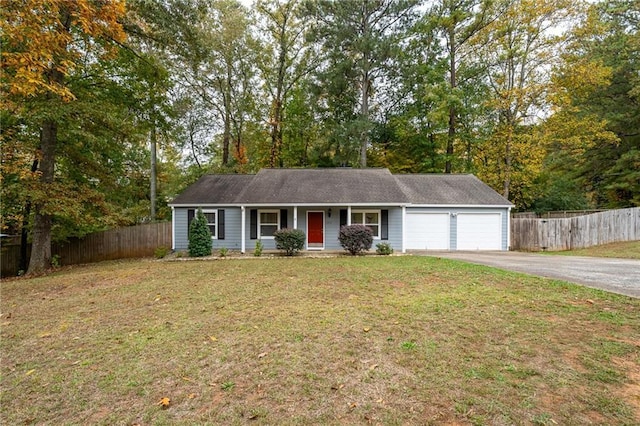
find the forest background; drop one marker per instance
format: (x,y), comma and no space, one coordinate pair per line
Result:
(110,109)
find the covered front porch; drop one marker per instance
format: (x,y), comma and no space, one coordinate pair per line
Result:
(320,223)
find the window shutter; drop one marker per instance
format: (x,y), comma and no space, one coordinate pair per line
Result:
(343,217)
(253,226)
(221,224)
(283,218)
(384,232)
(191,213)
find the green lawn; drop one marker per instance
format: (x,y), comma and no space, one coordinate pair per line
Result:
(367,340)
(626,250)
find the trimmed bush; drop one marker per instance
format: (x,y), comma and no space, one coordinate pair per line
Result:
(199,236)
(384,249)
(355,238)
(289,240)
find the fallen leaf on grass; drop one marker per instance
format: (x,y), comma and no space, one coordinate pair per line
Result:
(366,329)
(30,372)
(164,402)
(373,367)
(213,338)
(262,355)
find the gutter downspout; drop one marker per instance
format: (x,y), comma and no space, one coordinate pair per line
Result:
(509,229)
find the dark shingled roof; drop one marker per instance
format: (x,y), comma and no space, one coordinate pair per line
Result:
(214,189)
(323,186)
(449,189)
(339,186)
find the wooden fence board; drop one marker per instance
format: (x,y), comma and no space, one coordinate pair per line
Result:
(120,243)
(575,232)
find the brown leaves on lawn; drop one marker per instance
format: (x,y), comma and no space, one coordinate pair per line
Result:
(164,402)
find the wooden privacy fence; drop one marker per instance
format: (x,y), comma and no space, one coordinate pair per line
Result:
(575,232)
(119,243)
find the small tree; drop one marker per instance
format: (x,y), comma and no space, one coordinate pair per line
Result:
(289,240)
(199,236)
(355,238)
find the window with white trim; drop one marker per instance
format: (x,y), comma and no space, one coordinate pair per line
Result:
(268,223)
(369,218)
(212,221)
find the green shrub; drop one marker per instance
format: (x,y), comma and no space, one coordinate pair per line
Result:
(224,251)
(55,261)
(384,249)
(199,236)
(289,240)
(355,238)
(161,252)
(257,251)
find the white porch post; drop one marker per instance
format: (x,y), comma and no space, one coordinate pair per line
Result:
(242,229)
(404,228)
(173,228)
(295,217)
(348,215)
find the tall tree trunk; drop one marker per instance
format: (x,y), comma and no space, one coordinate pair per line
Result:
(452,110)
(226,137)
(275,157)
(42,222)
(154,176)
(364,114)
(24,232)
(41,247)
(506,184)
(278,102)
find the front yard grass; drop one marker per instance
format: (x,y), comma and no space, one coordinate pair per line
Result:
(364,340)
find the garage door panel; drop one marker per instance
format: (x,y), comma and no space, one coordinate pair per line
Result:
(427,231)
(479,231)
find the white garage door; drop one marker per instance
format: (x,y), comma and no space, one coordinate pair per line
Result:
(479,231)
(427,231)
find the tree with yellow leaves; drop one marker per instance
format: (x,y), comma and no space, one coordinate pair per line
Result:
(45,43)
(519,50)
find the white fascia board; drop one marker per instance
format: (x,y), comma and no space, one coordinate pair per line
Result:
(321,204)
(289,205)
(204,205)
(465,206)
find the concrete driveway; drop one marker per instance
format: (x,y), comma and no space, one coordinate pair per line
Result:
(615,275)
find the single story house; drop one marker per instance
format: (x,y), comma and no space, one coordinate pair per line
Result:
(408,211)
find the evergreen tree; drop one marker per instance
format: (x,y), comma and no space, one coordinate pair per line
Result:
(199,236)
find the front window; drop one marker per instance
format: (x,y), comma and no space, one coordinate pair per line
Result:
(212,217)
(369,218)
(268,223)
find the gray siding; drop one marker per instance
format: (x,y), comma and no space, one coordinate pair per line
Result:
(232,217)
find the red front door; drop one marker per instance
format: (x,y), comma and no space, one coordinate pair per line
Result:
(315,229)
